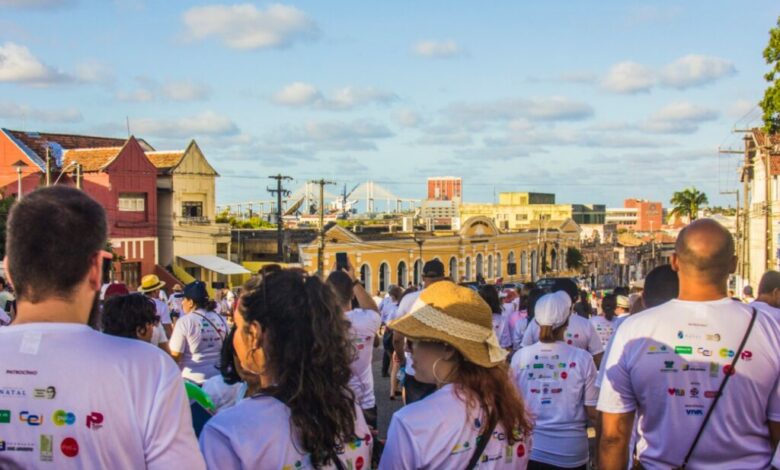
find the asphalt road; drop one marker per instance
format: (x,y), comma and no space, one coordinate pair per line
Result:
(385,406)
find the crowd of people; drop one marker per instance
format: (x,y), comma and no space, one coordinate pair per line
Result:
(674,373)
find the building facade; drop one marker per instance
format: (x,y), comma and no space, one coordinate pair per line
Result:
(478,248)
(445,188)
(516,211)
(638,215)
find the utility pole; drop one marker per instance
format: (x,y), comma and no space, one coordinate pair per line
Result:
(279,191)
(744,234)
(321,248)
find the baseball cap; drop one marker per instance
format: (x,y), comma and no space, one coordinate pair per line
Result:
(433,268)
(196,291)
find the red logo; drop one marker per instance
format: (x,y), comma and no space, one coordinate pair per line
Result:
(69,447)
(572,365)
(359,462)
(710,394)
(520,450)
(568,341)
(564,375)
(728,370)
(95,420)
(746,355)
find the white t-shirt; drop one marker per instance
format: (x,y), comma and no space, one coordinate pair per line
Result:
(363,329)
(158,335)
(498,324)
(224,395)
(174,302)
(162,311)
(441,432)
(404,307)
(77,398)
(388,310)
(234,439)
(604,328)
(557,382)
(773,312)
(5,319)
(668,362)
(580,333)
(199,343)
(513,330)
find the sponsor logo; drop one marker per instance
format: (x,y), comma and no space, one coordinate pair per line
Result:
(95,420)
(535,390)
(694,393)
(21,372)
(47,393)
(30,419)
(728,370)
(676,392)
(703,325)
(546,401)
(47,448)
(556,390)
(668,367)
(694,412)
(11,446)
(12,392)
(69,447)
(710,394)
(569,342)
(520,450)
(704,352)
(693,367)
(63,418)
(746,355)
(657,349)
(564,375)
(561,365)
(683,350)
(714,369)
(5,416)
(715,337)
(538,366)
(726,352)
(572,365)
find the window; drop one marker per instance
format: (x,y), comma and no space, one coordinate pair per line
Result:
(131,274)
(190,209)
(132,202)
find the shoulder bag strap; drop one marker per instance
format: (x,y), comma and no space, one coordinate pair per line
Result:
(212,325)
(481,445)
(731,372)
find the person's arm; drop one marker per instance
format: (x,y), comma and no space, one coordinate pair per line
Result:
(597,359)
(217,449)
(774,433)
(177,342)
(399,345)
(616,429)
(364,299)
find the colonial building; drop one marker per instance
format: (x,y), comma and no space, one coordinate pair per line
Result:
(478,248)
(516,211)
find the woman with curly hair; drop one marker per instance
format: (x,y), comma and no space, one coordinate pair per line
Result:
(292,334)
(476,416)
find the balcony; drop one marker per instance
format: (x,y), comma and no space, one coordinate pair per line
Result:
(194,221)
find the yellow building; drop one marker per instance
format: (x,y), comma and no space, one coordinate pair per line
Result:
(516,211)
(479,247)
(191,242)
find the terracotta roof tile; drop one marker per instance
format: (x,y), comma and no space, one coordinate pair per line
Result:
(91,159)
(39,141)
(164,160)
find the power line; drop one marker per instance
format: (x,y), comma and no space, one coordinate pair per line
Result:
(279,191)
(321,248)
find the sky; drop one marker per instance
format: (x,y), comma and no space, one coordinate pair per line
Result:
(595,101)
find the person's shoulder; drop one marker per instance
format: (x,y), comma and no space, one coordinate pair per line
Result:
(267,410)
(443,402)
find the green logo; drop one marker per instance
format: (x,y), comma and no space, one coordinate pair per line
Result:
(683,350)
(5,416)
(538,366)
(47,448)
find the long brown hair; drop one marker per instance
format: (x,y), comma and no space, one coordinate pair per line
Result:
(491,390)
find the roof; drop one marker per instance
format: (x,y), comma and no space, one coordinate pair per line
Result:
(767,140)
(91,159)
(166,159)
(216,264)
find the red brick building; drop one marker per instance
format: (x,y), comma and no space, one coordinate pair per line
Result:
(445,188)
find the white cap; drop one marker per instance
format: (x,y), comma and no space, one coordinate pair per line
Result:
(553,309)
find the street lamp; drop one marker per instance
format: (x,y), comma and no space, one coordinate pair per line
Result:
(19,166)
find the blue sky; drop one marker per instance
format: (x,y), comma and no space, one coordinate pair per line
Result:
(596,101)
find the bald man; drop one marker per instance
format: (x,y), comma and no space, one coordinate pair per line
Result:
(769,294)
(667,363)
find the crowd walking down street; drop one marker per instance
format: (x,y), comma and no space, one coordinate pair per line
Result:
(299,371)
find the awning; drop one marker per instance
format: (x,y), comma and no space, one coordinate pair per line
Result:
(216,264)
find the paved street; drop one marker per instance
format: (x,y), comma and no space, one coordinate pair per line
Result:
(385,406)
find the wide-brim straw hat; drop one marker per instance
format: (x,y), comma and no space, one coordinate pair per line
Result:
(150,283)
(448,313)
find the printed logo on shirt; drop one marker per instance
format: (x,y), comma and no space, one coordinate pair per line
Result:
(668,367)
(63,418)
(694,392)
(21,372)
(30,418)
(676,392)
(728,370)
(714,337)
(46,448)
(47,393)
(683,350)
(726,352)
(693,368)
(746,355)
(663,349)
(546,401)
(684,334)
(704,352)
(564,375)
(538,366)
(710,394)
(69,447)
(694,412)
(460,448)
(95,420)
(14,446)
(5,416)
(12,392)
(714,369)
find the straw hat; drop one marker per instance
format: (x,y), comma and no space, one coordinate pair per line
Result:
(457,316)
(150,283)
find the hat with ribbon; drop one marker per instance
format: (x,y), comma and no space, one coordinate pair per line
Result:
(455,315)
(150,283)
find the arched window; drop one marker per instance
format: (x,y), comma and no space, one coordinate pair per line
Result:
(510,260)
(523,263)
(365,277)
(554,260)
(384,277)
(534,265)
(402,275)
(480,271)
(454,269)
(418,266)
(468,269)
(498,265)
(490,266)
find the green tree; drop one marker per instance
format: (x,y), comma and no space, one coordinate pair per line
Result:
(771,102)
(5,208)
(574,259)
(686,203)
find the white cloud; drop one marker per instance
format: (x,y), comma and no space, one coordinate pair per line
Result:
(94,72)
(695,70)
(437,49)
(244,26)
(171,90)
(300,94)
(185,91)
(408,118)
(19,65)
(678,118)
(207,123)
(554,108)
(23,112)
(629,77)
(315,136)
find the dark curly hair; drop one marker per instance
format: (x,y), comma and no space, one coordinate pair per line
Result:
(490,295)
(227,360)
(124,314)
(308,352)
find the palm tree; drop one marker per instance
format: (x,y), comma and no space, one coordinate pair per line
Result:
(686,203)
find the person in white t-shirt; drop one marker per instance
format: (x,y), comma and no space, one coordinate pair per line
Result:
(175,300)
(291,332)
(387,310)
(364,326)
(769,294)
(233,383)
(476,414)
(151,286)
(558,383)
(414,390)
(580,332)
(667,364)
(604,322)
(490,295)
(72,397)
(197,338)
